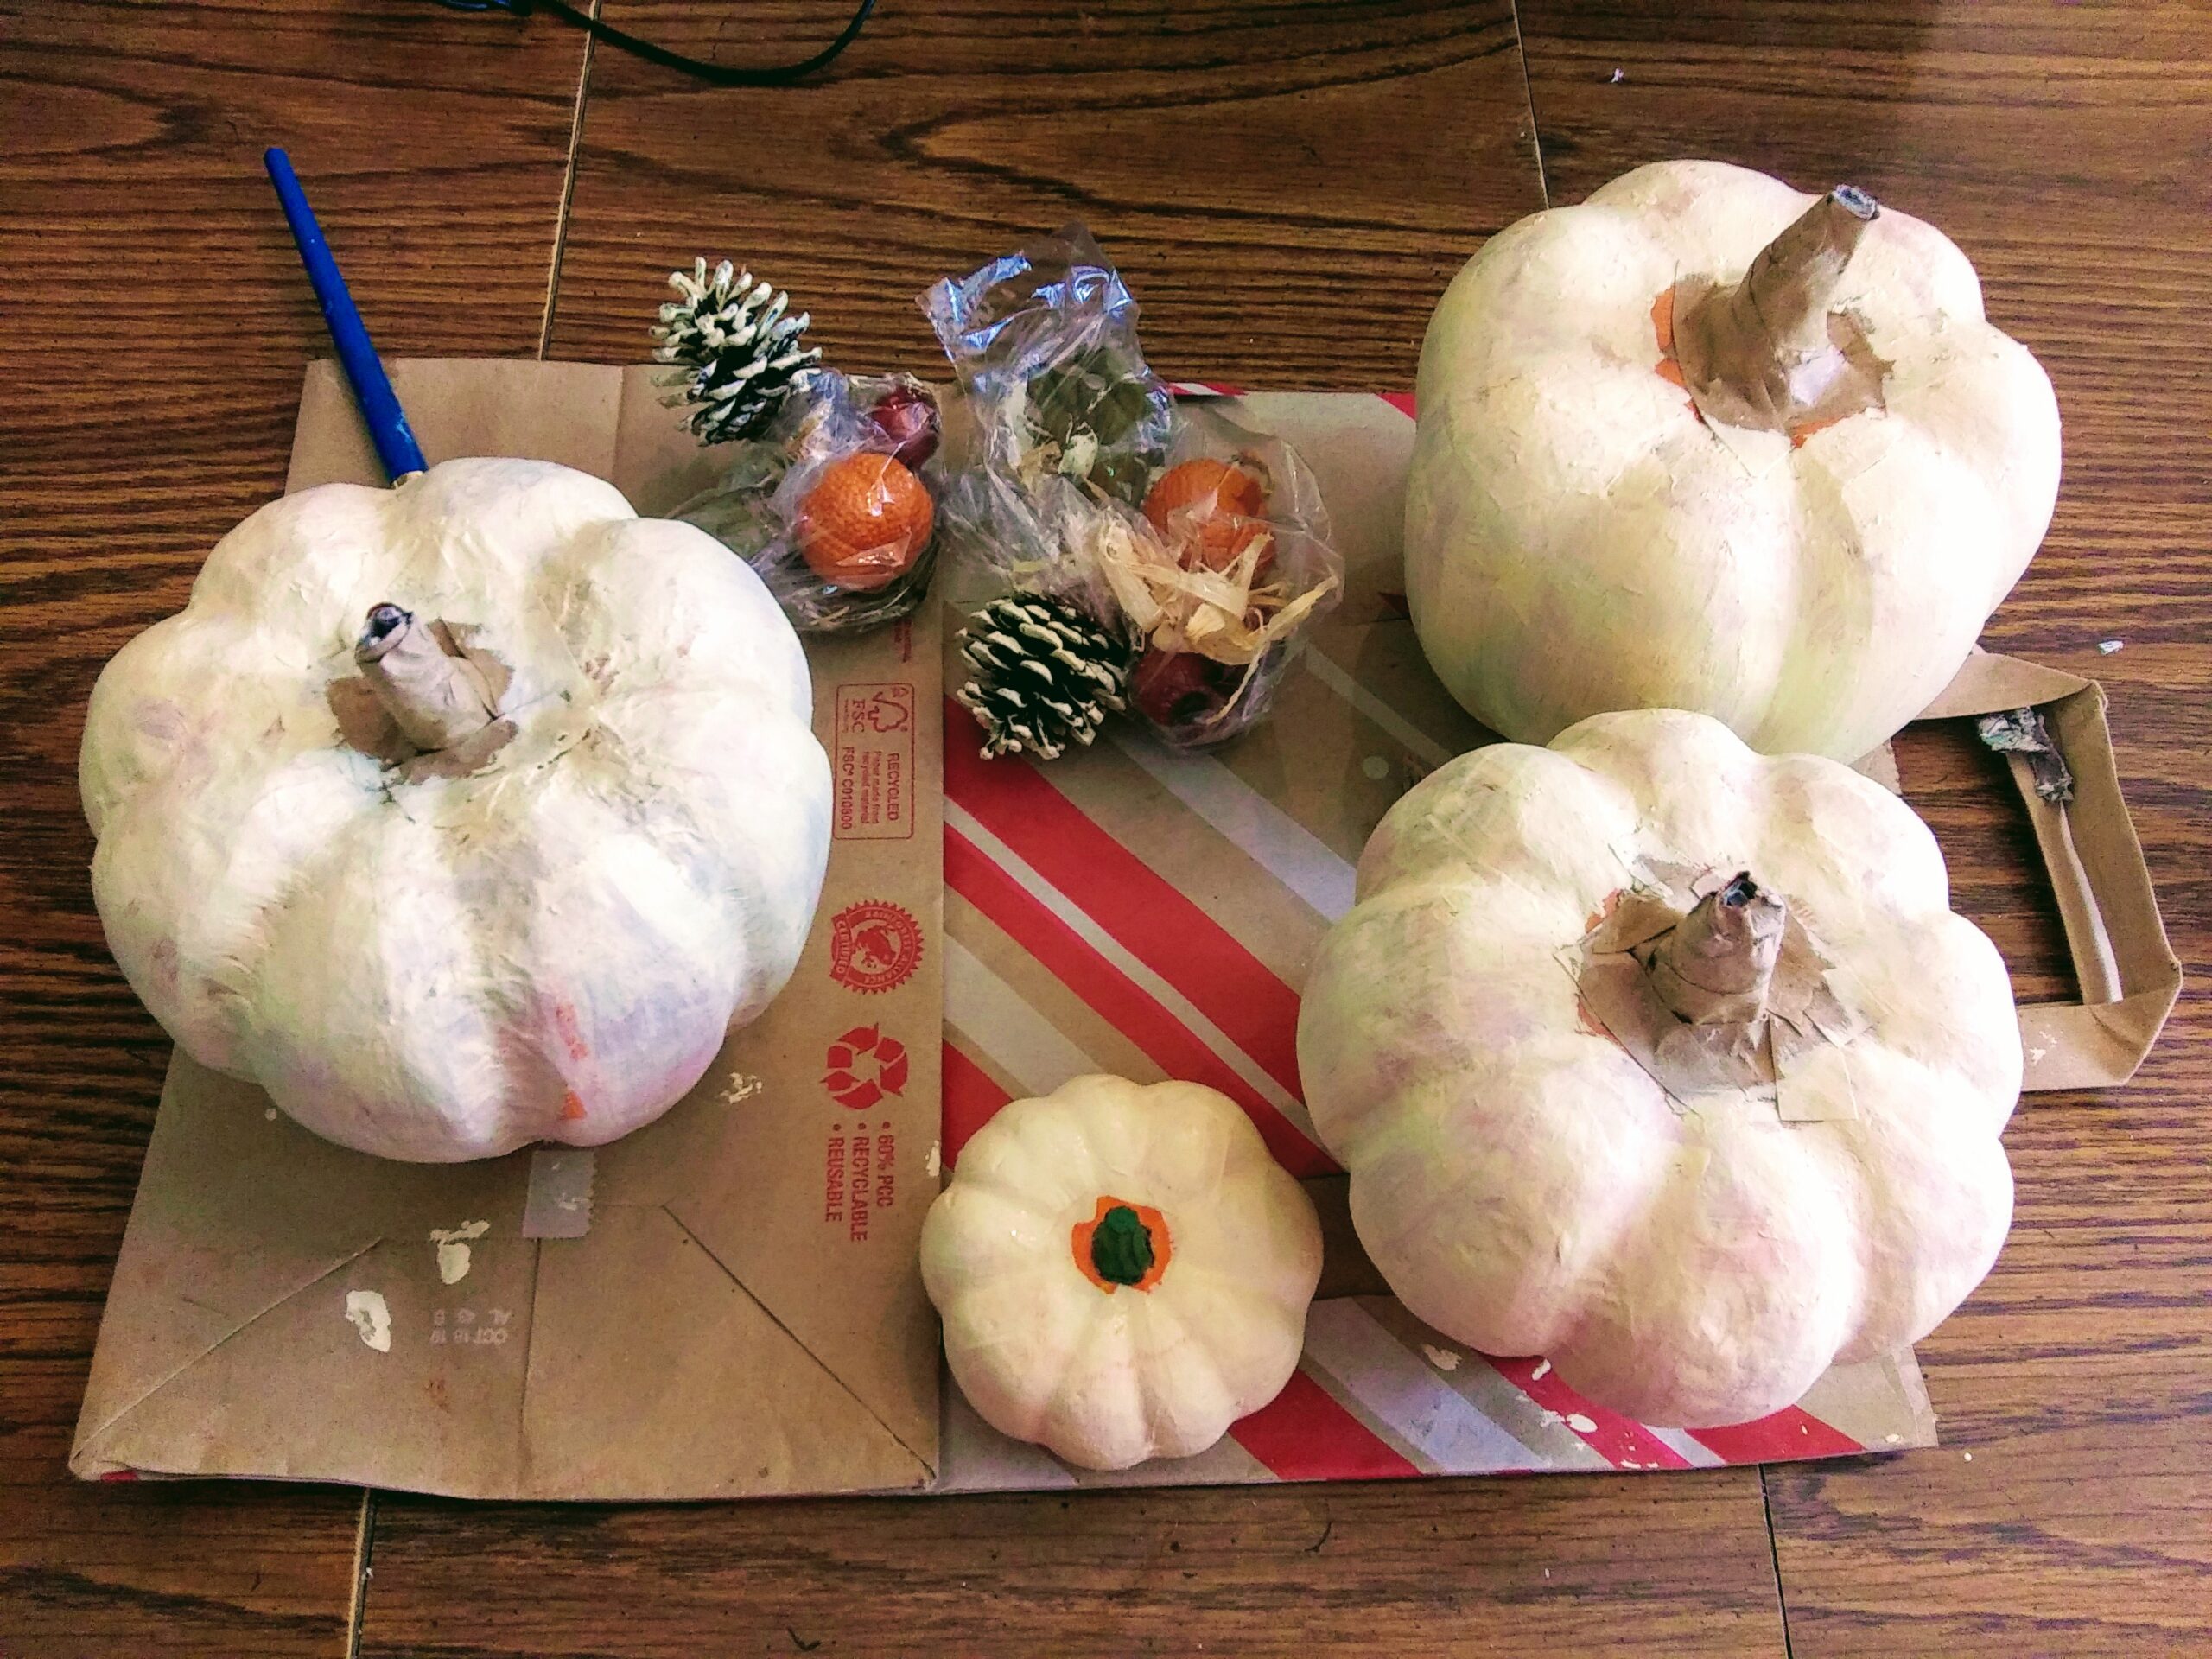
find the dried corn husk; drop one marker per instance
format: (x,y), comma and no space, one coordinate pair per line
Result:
(1216,613)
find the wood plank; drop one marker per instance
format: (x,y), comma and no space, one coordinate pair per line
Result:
(151,345)
(1247,166)
(2072,1505)
(1555,1566)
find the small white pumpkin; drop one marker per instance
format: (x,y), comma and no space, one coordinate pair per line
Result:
(1702,441)
(1123,1270)
(1695,1158)
(508,865)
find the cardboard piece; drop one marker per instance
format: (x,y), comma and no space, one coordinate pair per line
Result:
(724,1303)
(2127,971)
(676,1316)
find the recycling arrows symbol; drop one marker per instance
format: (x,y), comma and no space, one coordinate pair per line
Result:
(864,1067)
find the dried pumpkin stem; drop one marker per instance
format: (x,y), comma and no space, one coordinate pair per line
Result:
(437,699)
(1773,352)
(1717,964)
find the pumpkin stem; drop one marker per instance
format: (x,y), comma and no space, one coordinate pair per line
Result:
(1716,966)
(1120,1246)
(1771,353)
(436,698)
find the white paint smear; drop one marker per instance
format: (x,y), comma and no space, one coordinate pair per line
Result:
(371,1317)
(1443,1358)
(1544,1369)
(1580,1424)
(935,1162)
(741,1088)
(1368,1366)
(452,1249)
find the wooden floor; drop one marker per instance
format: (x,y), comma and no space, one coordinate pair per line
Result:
(1288,185)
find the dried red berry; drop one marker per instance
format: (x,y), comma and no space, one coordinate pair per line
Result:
(907,416)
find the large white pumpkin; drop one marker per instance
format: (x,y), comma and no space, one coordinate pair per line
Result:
(1791,505)
(1583,1124)
(520,892)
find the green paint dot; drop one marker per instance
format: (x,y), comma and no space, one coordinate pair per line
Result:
(1120,1246)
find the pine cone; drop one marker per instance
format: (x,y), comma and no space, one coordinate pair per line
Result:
(737,353)
(1044,673)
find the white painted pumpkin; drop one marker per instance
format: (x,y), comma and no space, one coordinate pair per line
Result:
(433,966)
(1123,1270)
(1697,1251)
(1580,537)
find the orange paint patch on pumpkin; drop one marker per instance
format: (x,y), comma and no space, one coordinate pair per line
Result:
(1153,1222)
(572,1039)
(1589,1023)
(1805,429)
(571,1108)
(1663,330)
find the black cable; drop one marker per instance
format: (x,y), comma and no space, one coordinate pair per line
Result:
(713,74)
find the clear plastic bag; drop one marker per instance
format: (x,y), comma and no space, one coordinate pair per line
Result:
(835,505)
(1226,563)
(1160,540)
(1048,653)
(1202,597)
(1044,343)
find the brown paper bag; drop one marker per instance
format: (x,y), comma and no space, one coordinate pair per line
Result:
(2128,974)
(718,1329)
(725,1302)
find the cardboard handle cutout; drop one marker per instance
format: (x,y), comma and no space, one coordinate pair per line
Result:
(2128,973)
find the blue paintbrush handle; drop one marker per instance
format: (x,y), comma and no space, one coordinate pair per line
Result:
(379,404)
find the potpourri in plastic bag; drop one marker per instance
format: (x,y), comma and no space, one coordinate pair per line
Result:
(832,505)
(1044,343)
(1177,554)
(826,490)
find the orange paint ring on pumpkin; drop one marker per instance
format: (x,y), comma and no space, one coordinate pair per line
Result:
(1670,370)
(1153,1222)
(1805,429)
(1663,330)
